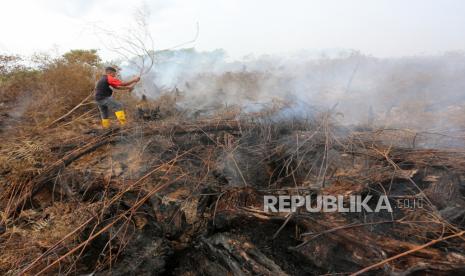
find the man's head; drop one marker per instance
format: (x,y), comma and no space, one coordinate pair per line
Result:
(110,71)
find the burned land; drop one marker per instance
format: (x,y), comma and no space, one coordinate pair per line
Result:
(180,191)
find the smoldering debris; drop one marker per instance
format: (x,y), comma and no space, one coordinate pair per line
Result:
(187,198)
(180,190)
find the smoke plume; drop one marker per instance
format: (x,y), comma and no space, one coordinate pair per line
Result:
(424,92)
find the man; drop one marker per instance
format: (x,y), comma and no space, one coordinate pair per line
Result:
(105,102)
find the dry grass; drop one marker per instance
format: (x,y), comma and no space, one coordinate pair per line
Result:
(76,199)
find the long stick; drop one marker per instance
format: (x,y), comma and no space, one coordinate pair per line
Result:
(366,269)
(71,111)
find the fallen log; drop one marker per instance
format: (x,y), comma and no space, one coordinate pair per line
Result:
(38,182)
(239,256)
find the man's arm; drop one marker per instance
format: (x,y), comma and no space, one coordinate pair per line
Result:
(128,83)
(121,87)
(115,83)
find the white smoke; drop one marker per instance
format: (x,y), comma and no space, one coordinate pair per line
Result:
(426,92)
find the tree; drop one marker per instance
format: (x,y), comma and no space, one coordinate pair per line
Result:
(89,57)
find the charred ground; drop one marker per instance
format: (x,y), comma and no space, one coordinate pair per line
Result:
(176,194)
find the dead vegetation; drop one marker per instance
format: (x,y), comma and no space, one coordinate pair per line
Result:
(187,198)
(181,193)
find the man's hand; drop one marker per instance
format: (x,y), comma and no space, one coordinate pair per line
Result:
(136,79)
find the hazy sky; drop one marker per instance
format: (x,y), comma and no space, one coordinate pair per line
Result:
(377,27)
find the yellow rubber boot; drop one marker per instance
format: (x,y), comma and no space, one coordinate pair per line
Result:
(121,117)
(106,123)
